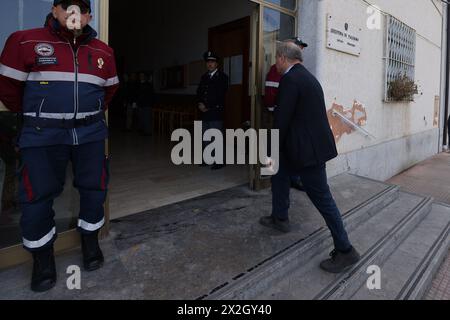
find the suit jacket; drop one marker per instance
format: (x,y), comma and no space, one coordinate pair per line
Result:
(306,138)
(212,92)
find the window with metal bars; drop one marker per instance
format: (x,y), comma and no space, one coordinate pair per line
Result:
(400,56)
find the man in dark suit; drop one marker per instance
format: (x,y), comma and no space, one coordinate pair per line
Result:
(306,144)
(211,96)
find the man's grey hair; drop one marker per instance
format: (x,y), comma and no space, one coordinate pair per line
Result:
(289,50)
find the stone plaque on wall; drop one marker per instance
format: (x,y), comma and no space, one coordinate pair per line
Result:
(343,36)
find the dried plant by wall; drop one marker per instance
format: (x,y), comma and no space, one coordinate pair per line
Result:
(402,89)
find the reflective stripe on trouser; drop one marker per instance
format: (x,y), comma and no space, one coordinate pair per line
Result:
(42,178)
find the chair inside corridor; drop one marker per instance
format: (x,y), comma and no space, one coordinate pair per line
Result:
(173,113)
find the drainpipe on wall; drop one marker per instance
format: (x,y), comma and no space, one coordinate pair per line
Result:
(311,28)
(447,75)
(444,79)
(321,26)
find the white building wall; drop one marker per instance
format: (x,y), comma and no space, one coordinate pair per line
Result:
(347,78)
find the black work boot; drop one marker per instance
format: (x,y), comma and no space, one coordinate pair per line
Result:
(275,223)
(340,262)
(92,254)
(44,270)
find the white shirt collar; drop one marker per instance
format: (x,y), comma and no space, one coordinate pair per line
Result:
(213,73)
(289,69)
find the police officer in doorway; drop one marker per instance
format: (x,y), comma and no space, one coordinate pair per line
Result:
(211,97)
(61,79)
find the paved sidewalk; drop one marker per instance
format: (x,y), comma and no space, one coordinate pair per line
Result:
(431,178)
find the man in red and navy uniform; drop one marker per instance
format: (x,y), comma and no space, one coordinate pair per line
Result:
(273,79)
(61,81)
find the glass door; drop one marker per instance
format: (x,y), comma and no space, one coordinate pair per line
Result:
(277,22)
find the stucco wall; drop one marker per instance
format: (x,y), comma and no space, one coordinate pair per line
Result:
(347,78)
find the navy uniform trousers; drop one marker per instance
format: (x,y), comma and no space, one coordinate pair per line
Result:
(206,125)
(315,182)
(42,176)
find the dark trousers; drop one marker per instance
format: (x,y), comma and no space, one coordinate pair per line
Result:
(206,125)
(145,120)
(42,178)
(315,182)
(296,180)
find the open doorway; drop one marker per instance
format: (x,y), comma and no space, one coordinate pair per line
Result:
(163,42)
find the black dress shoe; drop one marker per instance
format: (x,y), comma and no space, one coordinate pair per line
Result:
(92,254)
(275,223)
(217,167)
(44,271)
(340,262)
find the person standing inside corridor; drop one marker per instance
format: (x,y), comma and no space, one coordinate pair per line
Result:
(211,95)
(306,144)
(61,79)
(145,98)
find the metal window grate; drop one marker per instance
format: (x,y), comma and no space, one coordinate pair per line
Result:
(400,52)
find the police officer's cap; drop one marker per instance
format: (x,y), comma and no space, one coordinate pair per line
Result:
(299,42)
(87,3)
(210,56)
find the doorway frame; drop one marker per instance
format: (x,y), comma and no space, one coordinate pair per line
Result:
(242,23)
(16,255)
(258,78)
